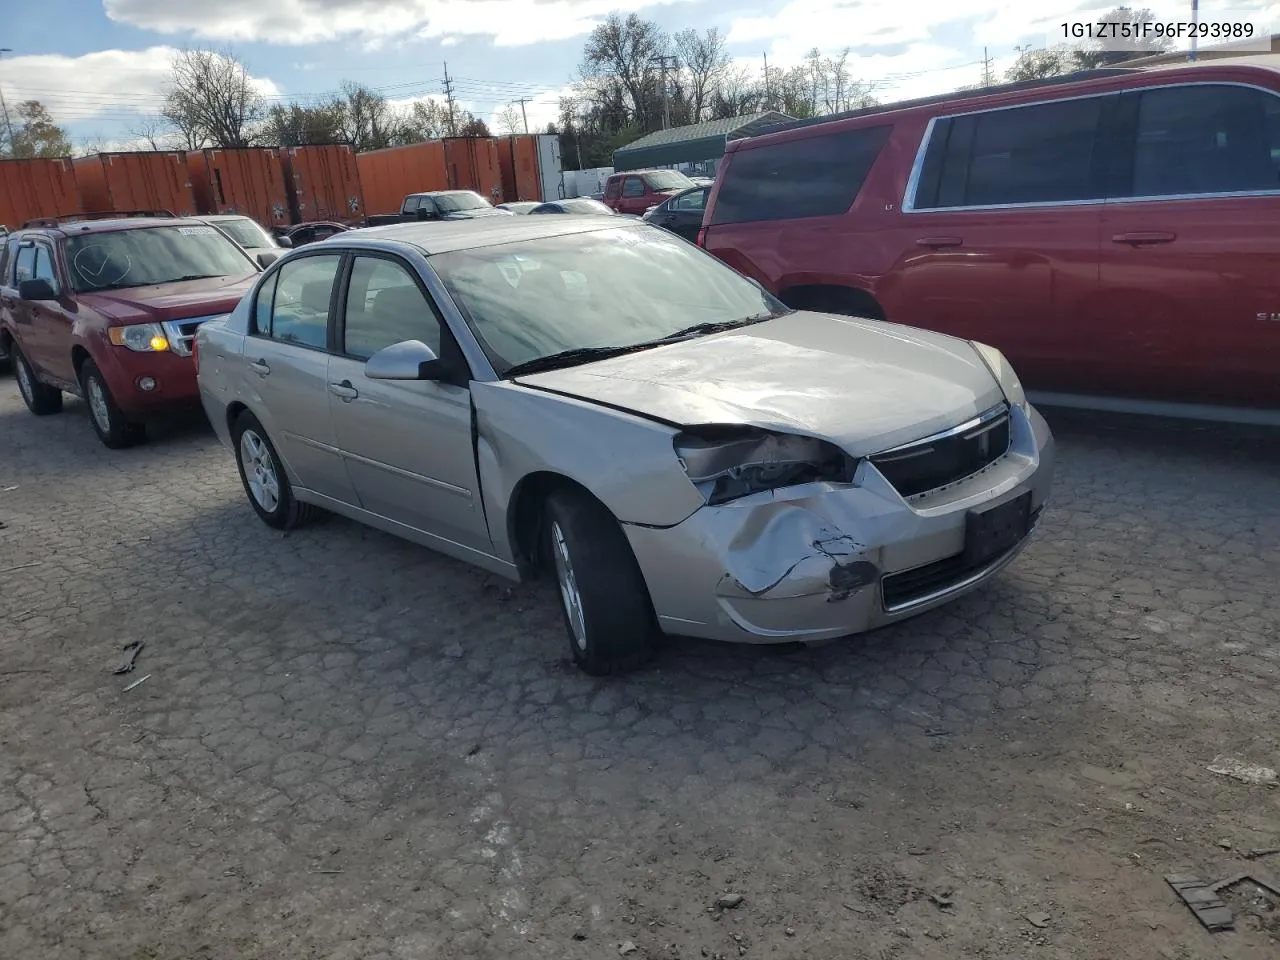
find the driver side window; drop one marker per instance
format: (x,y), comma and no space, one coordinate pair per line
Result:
(385,306)
(300,308)
(44,266)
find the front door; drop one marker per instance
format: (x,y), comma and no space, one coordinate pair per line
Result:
(634,199)
(407,444)
(683,214)
(1189,283)
(288,360)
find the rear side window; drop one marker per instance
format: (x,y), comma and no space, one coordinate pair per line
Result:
(300,310)
(1043,153)
(815,177)
(1206,139)
(612,187)
(634,187)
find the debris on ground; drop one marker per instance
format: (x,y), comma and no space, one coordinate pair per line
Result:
(942,898)
(1203,900)
(138,682)
(1038,920)
(1243,771)
(627,948)
(729,901)
(1225,844)
(130,656)
(1260,852)
(23,566)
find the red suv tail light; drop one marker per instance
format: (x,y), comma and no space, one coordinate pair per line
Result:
(195,353)
(702,237)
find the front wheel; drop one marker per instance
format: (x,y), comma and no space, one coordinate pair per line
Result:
(606,606)
(113,428)
(40,398)
(263,475)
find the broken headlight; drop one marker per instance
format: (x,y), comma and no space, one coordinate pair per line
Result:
(1003,372)
(729,462)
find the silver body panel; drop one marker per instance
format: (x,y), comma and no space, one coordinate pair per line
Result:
(445,465)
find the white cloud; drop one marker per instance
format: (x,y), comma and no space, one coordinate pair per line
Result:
(508,22)
(105,86)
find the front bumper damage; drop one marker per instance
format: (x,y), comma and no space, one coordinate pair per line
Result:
(810,562)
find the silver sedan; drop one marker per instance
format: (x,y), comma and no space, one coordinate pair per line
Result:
(601,400)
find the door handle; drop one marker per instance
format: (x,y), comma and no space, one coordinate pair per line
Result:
(260,367)
(937,243)
(1155,236)
(344,390)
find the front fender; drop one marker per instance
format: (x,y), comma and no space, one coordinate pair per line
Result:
(627,461)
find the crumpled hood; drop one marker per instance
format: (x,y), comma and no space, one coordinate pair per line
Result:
(169,301)
(864,385)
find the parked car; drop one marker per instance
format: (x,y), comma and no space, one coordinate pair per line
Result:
(106,309)
(250,235)
(681,213)
(637,190)
(576,205)
(1110,231)
(439,205)
(595,397)
(519,206)
(304,233)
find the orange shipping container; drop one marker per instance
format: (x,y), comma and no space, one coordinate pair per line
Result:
(389,175)
(472,164)
(323,183)
(248,181)
(518,161)
(146,180)
(36,188)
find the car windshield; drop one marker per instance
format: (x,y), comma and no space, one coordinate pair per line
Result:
(668,180)
(453,202)
(599,289)
(246,232)
(149,255)
(584,205)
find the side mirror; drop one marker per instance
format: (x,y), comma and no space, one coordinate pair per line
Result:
(266,258)
(39,289)
(407,360)
(286,242)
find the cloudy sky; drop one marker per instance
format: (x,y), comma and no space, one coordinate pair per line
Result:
(100,65)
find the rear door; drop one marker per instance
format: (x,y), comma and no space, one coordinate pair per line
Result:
(998,240)
(407,444)
(1190,292)
(287,354)
(613,192)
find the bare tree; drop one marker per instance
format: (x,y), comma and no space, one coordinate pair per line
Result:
(153,131)
(35,133)
(622,52)
(509,120)
(1038,64)
(367,120)
(211,99)
(705,60)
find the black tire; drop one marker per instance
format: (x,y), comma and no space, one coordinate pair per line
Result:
(845,303)
(114,429)
(281,511)
(40,398)
(617,630)
(6,355)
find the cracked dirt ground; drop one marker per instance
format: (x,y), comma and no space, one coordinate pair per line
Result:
(349,747)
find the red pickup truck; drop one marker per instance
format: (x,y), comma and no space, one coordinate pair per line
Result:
(107,308)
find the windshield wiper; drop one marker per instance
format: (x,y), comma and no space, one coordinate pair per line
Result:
(703,329)
(569,358)
(196,276)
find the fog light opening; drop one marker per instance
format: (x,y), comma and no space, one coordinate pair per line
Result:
(146,383)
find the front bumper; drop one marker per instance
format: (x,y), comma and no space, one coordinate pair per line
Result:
(822,561)
(174,377)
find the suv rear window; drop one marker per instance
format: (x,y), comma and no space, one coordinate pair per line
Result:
(815,177)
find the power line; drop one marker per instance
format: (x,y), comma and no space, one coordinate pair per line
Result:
(448,93)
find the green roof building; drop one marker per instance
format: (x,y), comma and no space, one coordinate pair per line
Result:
(697,144)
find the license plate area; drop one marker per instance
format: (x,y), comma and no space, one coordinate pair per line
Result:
(996,530)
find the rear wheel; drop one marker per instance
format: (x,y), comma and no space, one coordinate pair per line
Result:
(111,425)
(264,478)
(845,301)
(5,354)
(40,398)
(606,606)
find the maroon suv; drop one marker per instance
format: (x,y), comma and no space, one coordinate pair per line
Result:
(106,309)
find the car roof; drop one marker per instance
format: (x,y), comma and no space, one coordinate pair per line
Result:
(449,236)
(441,193)
(111,225)
(225,216)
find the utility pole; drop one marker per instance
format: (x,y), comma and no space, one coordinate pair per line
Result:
(1195,19)
(4,108)
(662,63)
(768,98)
(448,95)
(522,101)
(986,68)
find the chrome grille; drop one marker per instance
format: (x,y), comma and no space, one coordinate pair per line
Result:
(181,333)
(947,457)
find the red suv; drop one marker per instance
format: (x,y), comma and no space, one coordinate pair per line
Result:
(106,309)
(1112,232)
(637,190)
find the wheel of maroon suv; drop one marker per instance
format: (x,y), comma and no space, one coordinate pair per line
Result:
(4,353)
(264,477)
(40,398)
(109,422)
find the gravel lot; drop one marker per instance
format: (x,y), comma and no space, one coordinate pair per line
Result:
(349,747)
